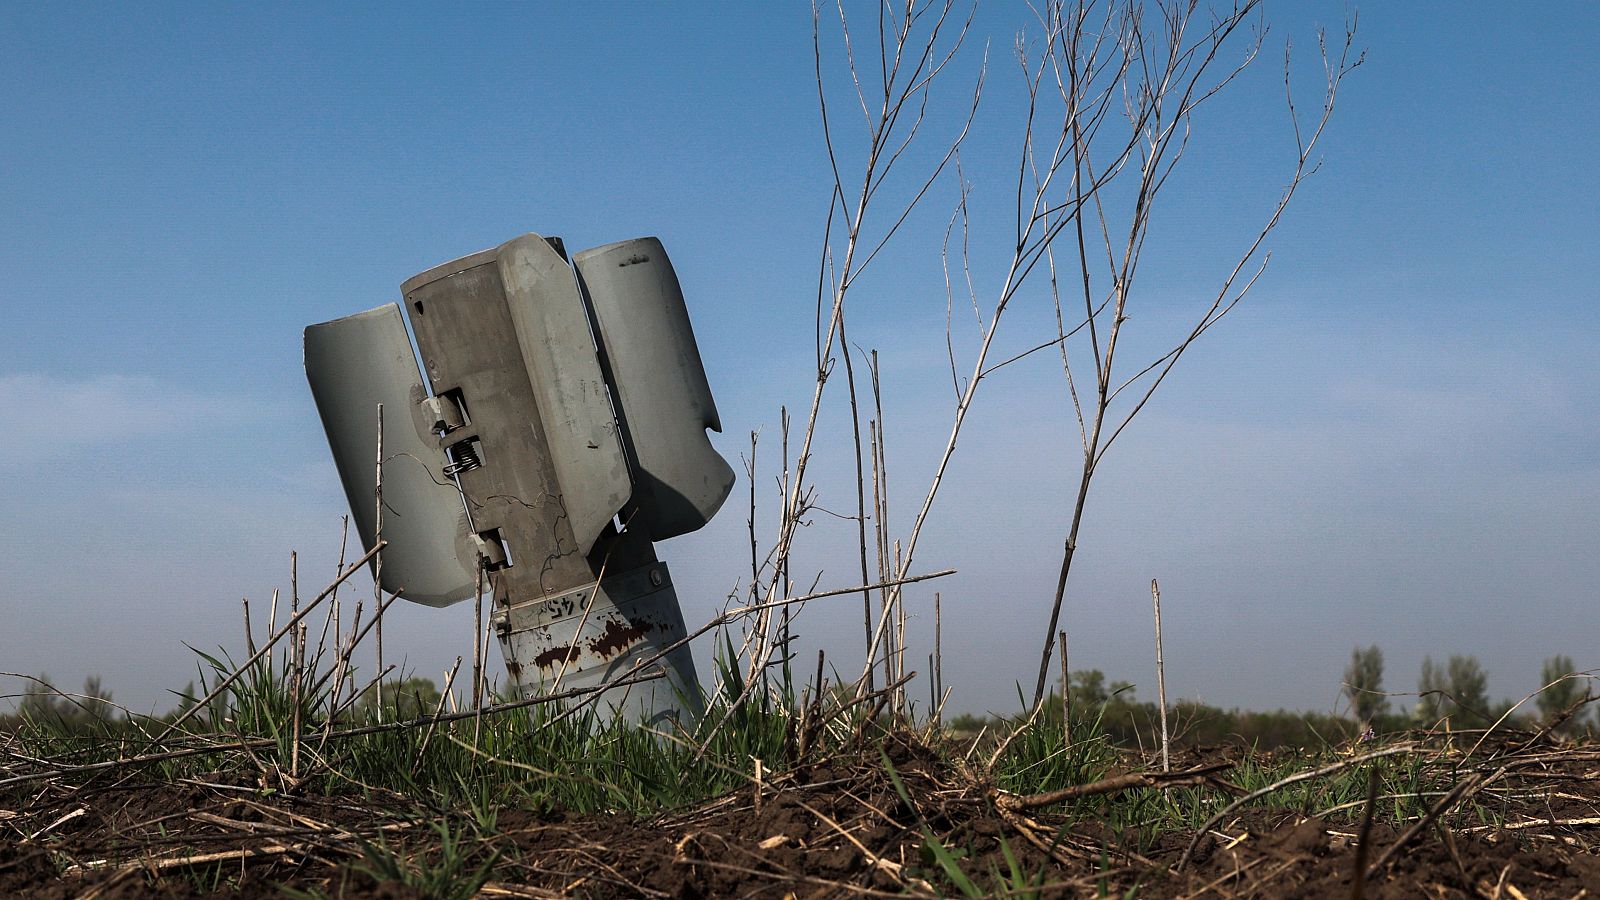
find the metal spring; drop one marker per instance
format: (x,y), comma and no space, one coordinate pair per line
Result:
(463,458)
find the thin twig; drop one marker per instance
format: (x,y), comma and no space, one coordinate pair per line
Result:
(1468,786)
(377,564)
(1364,841)
(1161,681)
(1113,785)
(1257,794)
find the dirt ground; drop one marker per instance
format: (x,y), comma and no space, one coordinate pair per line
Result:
(832,829)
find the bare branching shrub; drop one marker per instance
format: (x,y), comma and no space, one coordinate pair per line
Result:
(1110,95)
(913,45)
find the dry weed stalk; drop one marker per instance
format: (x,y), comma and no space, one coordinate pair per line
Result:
(1066,695)
(1161,680)
(916,41)
(377,561)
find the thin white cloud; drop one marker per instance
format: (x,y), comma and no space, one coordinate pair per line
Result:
(119,408)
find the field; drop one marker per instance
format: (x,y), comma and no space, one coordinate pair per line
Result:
(284,774)
(1011,161)
(789,793)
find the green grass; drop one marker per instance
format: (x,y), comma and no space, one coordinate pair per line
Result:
(549,756)
(554,757)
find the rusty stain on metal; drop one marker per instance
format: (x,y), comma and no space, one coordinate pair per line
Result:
(619,636)
(555,655)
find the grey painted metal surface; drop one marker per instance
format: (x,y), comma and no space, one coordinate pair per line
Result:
(565,431)
(461,311)
(575,406)
(597,633)
(666,403)
(354,364)
(505,338)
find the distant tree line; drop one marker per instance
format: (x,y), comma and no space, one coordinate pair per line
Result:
(43,705)
(1455,694)
(43,702)
(1452,694)
(1113,709)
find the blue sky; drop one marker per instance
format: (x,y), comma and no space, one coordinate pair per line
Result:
(1393,441)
